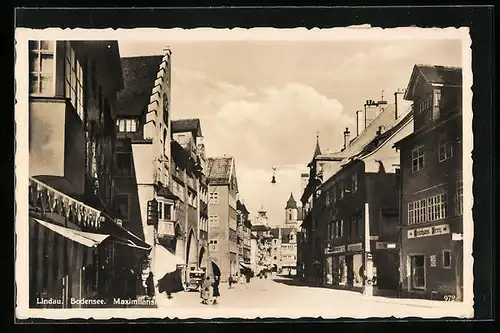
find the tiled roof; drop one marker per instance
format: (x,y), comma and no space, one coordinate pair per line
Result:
(219,170)
(275,232)
(433,74)
(187,125)
(285,235)
(139,74)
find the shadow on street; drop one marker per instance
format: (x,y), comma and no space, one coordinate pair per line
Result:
(295,282)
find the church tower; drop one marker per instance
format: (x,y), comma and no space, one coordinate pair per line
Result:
(291,211)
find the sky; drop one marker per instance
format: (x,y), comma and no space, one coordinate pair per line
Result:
(264,102)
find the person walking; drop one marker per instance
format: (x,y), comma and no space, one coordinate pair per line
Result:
(230,281)
(150,287)
(205,291)
(215,290)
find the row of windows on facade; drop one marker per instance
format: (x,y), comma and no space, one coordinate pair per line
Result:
(335,229)
(42,61)
(340,188)
(418,267)
(430,102)
(43,80)
(434,208)
(445,152)
(213,221)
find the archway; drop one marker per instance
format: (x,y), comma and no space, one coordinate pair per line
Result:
(192,253)
(202,262)
(179,244)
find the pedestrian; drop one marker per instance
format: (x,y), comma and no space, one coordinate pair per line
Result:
(131,287)
(150,287)
(215,290)
(205,291)
(230,281)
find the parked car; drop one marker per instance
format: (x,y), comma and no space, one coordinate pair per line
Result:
(196,278)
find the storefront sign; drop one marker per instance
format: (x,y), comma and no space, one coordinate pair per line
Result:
(457,237)
(433,260)
(429,231)
(385,245)
(355,247)
(335,249)
(374,238)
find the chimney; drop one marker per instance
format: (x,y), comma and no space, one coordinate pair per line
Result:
(358,124)
(346,137)
(398,92)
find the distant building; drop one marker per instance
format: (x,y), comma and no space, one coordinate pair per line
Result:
(244,236)
(222,212)
(432,186)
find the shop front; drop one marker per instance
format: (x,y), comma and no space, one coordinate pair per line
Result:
(344,267)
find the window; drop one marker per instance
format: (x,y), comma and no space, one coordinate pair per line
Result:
(341,188)
(445,148)
(425,104)
(436,207)
(436,110)
(122,203)
(417,159)
(213,220)
(334,193)
(341,228)
(417,211)
(417,271)
(42,67)
(165,109)
(354,226)
(213,246)
(446,259)
(74,80)
(214,197)
(459,199)
(124,164)
(127,125)
(354,182)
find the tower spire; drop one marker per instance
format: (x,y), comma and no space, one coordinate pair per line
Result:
(317,150)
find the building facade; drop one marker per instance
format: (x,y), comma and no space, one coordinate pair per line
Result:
(72,110)
(222,216)
(146,202)
(432,189)
(188,182)
(350,230)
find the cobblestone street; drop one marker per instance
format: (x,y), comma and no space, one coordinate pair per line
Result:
(265,297)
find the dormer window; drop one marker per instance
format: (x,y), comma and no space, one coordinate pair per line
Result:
(127,125)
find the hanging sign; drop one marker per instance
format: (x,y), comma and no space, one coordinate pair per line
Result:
(385,245)
(429,231)
(355,247)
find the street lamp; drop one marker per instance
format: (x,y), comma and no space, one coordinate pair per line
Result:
(273,180)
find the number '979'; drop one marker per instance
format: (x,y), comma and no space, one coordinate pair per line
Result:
(449,298)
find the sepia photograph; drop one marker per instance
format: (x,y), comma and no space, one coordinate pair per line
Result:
(244,173)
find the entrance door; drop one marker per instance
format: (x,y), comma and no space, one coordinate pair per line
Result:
(350,270)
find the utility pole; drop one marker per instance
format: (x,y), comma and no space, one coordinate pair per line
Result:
(368,287)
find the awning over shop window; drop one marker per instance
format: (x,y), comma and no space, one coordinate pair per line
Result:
(164,261)
(245,266)
(123,236)
(85,238)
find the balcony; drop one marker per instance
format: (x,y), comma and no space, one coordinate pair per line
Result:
(191,182)
(56,205)
(56,141)
(166,228)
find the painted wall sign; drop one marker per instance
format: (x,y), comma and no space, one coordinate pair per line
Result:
(355,247)
(429,231)
(385,245)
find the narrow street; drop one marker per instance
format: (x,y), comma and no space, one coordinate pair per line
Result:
(261,296)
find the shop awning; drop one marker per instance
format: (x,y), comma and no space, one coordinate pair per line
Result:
(123,236)
(85,238)
(245,265)
(165,261)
